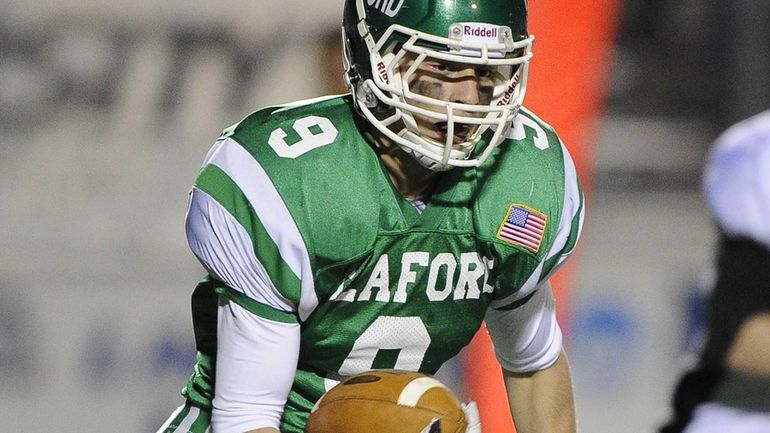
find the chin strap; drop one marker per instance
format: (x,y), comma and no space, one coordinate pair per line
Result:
(427,161)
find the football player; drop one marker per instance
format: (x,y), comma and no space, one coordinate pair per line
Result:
(378,229)
(729,391)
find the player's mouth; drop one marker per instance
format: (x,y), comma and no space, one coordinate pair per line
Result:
(460,134)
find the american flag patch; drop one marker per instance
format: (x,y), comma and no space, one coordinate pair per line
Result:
(524,227)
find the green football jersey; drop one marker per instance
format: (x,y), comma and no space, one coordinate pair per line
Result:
(372,282)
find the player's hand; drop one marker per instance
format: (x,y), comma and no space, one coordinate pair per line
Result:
(472,417)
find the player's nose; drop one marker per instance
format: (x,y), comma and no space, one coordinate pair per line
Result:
(465,90)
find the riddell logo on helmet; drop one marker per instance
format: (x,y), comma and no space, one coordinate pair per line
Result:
(484,32)
(509,92)
(383,73)
(388,7)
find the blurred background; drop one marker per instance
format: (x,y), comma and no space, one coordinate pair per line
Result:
(107,109)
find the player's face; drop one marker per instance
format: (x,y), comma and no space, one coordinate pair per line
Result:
(450,82)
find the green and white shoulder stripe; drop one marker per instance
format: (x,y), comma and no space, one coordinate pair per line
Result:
(570,227)
(243,233)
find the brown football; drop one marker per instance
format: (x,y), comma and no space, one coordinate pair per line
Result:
(387,401)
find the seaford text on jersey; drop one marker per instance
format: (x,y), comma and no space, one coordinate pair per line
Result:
(442,275)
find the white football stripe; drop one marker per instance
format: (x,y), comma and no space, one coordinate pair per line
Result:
(415,389)
(229,255)
(189,419)
(170,419)
(570,207)
(304,102)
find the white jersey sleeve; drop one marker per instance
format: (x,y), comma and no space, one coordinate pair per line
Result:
(238,229)
(526,338)
(256,363)
(737,179)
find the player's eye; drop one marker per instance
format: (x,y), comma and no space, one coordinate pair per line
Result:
(486,73)
(438,67)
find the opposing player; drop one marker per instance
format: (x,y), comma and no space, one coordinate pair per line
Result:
(379,229)
(729,390)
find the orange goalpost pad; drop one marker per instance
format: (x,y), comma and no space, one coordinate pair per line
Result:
(568,77)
